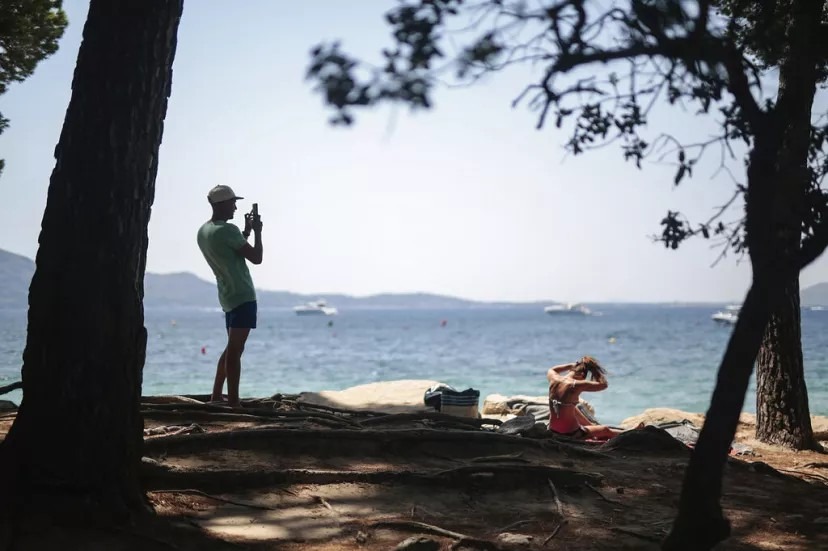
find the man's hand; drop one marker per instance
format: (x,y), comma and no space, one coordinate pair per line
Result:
(248,225)
(255,223)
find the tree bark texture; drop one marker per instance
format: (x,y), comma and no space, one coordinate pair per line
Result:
(773,226)
(78,430)
(782,412)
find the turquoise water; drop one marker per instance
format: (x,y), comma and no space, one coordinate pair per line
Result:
(657,356)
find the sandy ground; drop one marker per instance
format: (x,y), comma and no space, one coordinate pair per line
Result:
(297,473)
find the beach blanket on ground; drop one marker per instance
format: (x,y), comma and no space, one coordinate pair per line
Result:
(527,405)
(688,434)
(683,431)
(532,416)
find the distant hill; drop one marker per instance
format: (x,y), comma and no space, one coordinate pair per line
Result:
(15,272)
(815,295)
(184,289)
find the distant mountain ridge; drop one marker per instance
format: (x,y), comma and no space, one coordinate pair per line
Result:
(16,273)
(184,289)
(815,295)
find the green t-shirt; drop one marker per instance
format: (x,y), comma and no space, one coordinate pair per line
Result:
(219,243)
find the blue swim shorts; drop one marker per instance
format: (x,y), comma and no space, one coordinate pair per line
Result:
(242,316)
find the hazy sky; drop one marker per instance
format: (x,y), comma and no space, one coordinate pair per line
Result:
(467,199)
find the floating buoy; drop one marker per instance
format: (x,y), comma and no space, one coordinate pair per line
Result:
(443,323)
(612,340)
(173,323)
(203,350)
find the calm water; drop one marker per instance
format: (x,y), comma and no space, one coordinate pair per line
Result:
(657,356)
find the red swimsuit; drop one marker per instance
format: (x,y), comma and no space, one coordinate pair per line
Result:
(566,427)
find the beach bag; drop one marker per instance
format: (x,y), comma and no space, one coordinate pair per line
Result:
(446,399)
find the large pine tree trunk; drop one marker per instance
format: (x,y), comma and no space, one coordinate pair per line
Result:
(776,177)
(78,434)
(782,413)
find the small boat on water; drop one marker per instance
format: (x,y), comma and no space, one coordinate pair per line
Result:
(728,316)
(315,308)
(567,308)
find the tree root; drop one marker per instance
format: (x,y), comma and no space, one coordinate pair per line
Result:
(418,527)
(507,457)
(257,412)
(155,477)
(514,525)
(8,388)
(213,497)
(355,442)
(554,532)
(563,475)
(474,543)
(558,504)
(435,416)
(815,476)
(462,540)
(601,495)
(308,406)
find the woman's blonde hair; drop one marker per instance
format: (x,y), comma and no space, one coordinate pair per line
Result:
(589,365)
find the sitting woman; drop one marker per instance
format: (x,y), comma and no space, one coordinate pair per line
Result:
(564,390)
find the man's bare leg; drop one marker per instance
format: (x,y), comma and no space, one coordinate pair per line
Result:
(221,374)
(232,363)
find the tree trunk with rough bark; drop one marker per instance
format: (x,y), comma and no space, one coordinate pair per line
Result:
(75,447)
(782,413)
(777,173)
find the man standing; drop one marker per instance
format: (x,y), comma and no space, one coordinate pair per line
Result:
(225,248)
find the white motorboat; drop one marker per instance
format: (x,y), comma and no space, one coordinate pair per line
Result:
(728,316)
(567,308)
(315,308)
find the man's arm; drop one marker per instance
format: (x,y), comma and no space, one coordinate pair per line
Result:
(254,253)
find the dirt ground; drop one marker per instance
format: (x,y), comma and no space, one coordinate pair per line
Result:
(284,475)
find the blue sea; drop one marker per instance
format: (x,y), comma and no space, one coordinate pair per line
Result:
(656,355)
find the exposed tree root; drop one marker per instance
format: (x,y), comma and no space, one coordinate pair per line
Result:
(213,497)
(506,457)
(554,532)
(514,525)
(355,442)
(601,495)
(305,406)
(257,412)
(434,416)
(558,504)
(8,388)
(566,476)
(462,541)
(418,527)
(156,477)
